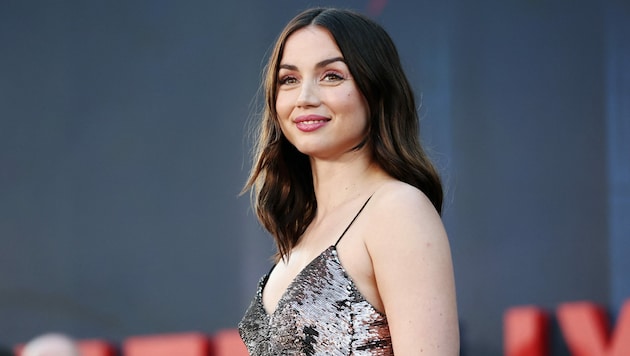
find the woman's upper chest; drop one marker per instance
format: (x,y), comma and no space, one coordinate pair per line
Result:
(351,253)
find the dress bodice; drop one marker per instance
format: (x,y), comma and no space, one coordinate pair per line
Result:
(320,313)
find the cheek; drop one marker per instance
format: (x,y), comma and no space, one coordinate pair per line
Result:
(282,112)
(355,103)
(283,106)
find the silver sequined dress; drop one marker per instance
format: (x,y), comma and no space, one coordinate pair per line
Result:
(321,313)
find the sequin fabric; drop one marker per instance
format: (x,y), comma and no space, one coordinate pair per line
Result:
(320,313)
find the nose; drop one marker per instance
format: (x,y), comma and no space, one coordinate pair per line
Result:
(309,94)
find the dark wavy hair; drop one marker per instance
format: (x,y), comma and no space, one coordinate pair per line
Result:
(281,181)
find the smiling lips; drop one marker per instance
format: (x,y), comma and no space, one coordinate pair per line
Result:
(308,123)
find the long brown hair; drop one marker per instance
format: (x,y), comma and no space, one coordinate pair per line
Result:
(281,178)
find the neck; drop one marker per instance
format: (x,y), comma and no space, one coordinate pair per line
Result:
(338,182)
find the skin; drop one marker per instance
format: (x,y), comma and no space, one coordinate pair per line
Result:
(321,86)
(397,251)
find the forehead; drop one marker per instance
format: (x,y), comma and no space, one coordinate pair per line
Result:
(311,42)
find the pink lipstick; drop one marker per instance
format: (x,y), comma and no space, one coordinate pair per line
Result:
(309,123)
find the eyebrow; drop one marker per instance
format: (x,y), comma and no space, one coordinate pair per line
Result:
(321,64)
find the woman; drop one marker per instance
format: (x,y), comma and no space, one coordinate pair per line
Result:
(341,182)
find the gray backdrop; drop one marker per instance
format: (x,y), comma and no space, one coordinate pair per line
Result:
(123,149)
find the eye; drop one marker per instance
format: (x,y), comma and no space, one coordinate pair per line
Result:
(287,80)
(333,77)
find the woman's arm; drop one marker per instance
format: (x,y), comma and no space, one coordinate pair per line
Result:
(414,273)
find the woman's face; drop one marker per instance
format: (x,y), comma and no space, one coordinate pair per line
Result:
(320,109)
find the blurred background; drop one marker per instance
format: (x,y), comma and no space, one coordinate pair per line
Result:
(123,148)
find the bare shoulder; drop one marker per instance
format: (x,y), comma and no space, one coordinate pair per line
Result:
(412,267)
(399,195)
(403,208)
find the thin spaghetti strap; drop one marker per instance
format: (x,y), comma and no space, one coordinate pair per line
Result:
(353,219)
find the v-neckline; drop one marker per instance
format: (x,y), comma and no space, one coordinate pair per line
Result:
(332,248)
(263,283)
